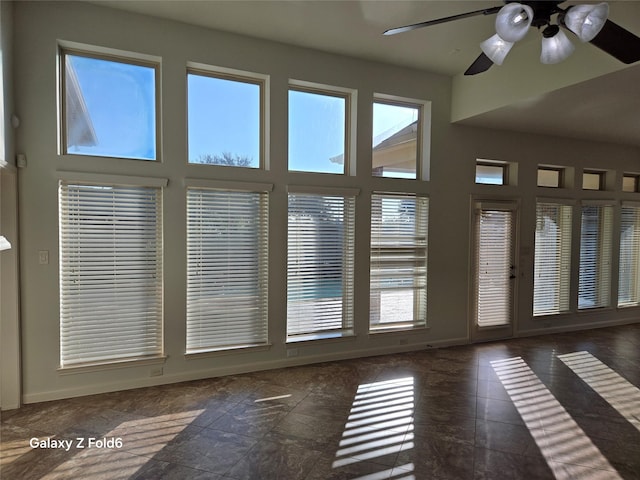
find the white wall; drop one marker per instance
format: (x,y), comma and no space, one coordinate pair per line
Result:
(453,153)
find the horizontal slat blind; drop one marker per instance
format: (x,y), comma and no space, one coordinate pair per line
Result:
(494,236)
(398,261)
(321,234)
(594,283)
(110,273)
(227,241)
(552,271)
(629,278)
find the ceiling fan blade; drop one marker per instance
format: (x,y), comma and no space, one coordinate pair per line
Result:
(481,64)
(406,28)
(618,42)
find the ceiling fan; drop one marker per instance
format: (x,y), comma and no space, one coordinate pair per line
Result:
(588,22)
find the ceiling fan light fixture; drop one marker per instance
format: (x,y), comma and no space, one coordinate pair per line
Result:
(513,21)
(586,21)
(496,48)
(556,46)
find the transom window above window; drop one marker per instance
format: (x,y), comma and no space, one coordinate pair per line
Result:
(592,180)
(318,122)
(631,182)
(225,116)
(551,177)
(491,173)
(109,106)
(396,139)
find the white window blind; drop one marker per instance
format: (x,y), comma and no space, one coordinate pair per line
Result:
(629,277)
(227,254)
(320,264)
(110,273)
(494,266)
(594,284)
(552,271)
(398,294)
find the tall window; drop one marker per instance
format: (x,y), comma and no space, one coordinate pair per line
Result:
(226,269)
(398,261)
(320,265)
(225,116)
(629,279)
(594,283)
(396,139)
(318,123)
(110,273)
(109,106)
(552,272)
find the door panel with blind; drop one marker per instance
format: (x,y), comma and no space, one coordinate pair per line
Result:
(629,274)
(494,275)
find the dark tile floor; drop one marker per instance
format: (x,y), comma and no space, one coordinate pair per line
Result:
(560,406)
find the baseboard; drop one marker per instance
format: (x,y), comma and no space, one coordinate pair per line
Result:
(234,370)
(532,332)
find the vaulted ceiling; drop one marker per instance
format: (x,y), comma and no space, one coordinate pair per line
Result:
(590,95)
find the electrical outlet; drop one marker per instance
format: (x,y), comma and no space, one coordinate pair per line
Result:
(292,352)
(43,257)
(404,341)
(156,372)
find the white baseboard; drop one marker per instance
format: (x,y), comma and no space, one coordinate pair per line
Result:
(232,370)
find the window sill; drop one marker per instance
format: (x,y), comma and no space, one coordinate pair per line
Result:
(398,330)
(96,367)
(227,351)
(328,337)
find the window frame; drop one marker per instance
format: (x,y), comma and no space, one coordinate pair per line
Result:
(568,229)
(263,269)
(634,252)
(504,166)
(636,182)
(421,107)
(601,180)
(114,181)
(419,320)
(262,81)
(110,55)
(561,174)
(348,257)
(350,97)
(605,227)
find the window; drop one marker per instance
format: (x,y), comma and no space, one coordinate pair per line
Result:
(593,181)
(398,261)
(396,139)
(318,122)
(109,106)
(320,265)
(629,279)
(491,173)
(225,116)
(595,256)
(110,273)
(630,182)
(550,177)
(227,243)
(552,271)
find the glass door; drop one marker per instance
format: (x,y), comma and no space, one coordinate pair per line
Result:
(494,269)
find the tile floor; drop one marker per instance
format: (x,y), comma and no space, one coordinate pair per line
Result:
(561,406)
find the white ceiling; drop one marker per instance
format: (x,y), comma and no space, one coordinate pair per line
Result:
(582,110)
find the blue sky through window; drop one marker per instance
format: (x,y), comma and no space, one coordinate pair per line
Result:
(112,104)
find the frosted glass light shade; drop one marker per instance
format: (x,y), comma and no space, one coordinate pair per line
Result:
(586,21)
(513,21)
(556,48)
(496,48)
